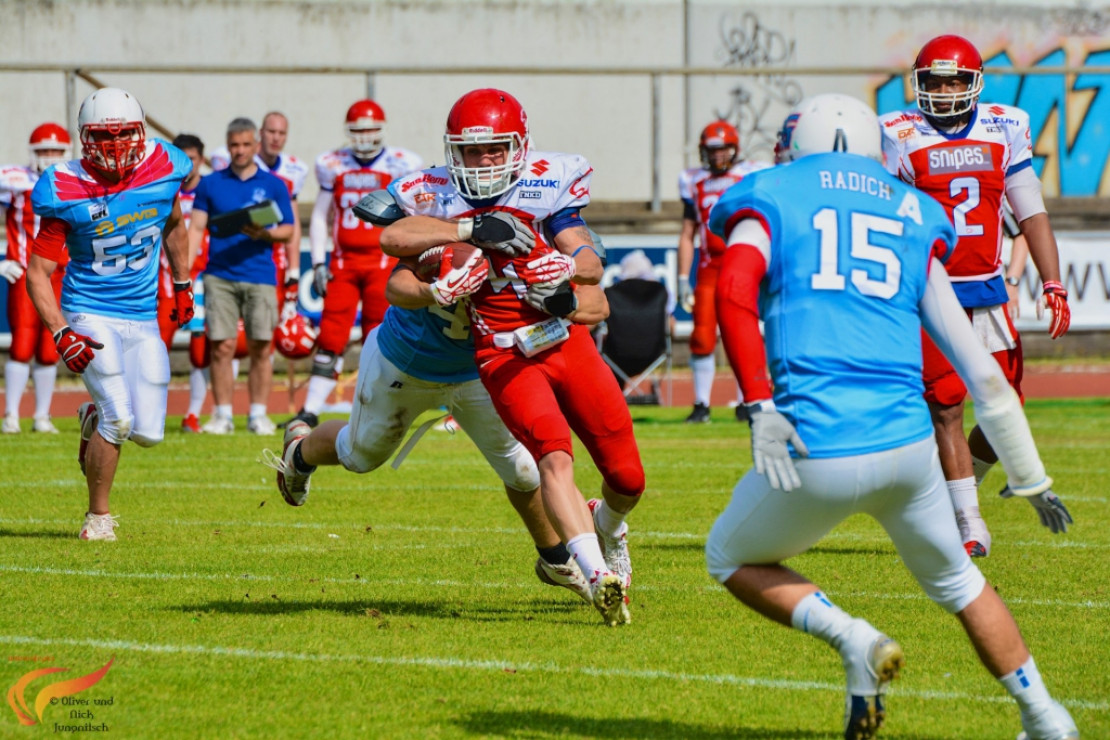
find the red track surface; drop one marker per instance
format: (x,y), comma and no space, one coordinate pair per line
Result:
(1041,381)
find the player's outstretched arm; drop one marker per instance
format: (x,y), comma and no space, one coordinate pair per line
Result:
(412,235)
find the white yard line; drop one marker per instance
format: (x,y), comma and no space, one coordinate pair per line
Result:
(448,663)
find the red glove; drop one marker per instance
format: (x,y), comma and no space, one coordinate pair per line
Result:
(76,349)
(292,288)
(1055,299)
(553,267)
(456,283)
(182,311)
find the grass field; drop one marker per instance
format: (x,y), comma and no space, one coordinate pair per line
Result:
(402,604)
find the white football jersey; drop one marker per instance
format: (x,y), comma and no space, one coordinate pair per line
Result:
(348,179)
(21,223)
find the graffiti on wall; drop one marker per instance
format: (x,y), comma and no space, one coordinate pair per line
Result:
(1068,117)
(756,103)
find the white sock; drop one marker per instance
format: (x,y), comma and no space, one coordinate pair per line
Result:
(318,391)
(15,377)
(223,409)
(256,410)
(739,395)
(704,367)
(587,553)
(981,468)
(816,615)
(608,520)
(198,390)
(235,369)
(1026,686)
(44,377)
(965,496)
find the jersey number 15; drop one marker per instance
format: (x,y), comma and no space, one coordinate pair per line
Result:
(863,225)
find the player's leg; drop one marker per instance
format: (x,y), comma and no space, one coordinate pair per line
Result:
(340,307)
(915,512)
(260,317)
(199,360)
(25,328)
(146,371)
(703,341)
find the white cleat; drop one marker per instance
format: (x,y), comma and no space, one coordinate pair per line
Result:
(10,425)
(615,549)
(607,596)
(869,675)
(43,425)
(218,425)
(568,575)
(1052,724)
(99,527)
(292,483)
(261,425)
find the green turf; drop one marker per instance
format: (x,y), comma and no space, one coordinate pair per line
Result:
(402,604)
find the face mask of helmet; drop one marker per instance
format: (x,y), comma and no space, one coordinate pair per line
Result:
(366,128)
(113,131)
(49,144)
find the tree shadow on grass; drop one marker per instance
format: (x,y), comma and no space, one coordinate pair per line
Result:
(265,603)
(38,534)
(524,724)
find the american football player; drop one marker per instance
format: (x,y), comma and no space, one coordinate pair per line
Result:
(49,145)
(113,210)
(699,188)
(535,354)
(968,155)
(358,268)
(836,257)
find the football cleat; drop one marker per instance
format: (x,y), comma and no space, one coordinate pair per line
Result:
(306,416)
(43,425)
(869,675)
(99,527)
(292,483)
(607,596)
(190,424)
(219,425)
(261,425)
(568,575)
(700,414)
(87,419)
(614,548)
(742,414)
(11,424)
(1052,724)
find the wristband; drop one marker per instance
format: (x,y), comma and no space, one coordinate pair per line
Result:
(182,286)
(465,229)
(1013,280)
(61,333)
(760,407)
(584,246)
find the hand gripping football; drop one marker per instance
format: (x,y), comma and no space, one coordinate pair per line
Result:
(431,264)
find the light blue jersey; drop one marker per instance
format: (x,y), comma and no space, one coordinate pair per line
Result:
(432,344)
(848,264)
(115,230)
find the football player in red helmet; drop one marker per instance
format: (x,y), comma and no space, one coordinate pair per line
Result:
(492,126)
(366,128)
(49,144)
(973,156)
(699,188)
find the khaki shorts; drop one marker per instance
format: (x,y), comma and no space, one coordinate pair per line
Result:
(225,302)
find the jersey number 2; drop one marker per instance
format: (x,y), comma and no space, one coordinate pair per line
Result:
(828,276)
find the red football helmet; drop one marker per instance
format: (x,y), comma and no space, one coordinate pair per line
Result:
(113,131)
(948,56)
(486,116)
(717,136)
(366,128)
(49,137)
(294,337)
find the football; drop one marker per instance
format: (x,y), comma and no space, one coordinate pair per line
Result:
(430,265)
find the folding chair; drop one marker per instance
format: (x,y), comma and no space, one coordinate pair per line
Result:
(636,342)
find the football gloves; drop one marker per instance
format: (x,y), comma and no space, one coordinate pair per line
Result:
(76,349)
(1050,509)
(685,294)
(550,269)
(771,431)
(320,277)
(182,311)
(459,282)
(1055,299)
(498,231)
(555,299)
(10,270)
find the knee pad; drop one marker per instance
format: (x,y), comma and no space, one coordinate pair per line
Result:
(359,462)
(954,591)
(116,431)
(143,440)
(326,365)
(625,478)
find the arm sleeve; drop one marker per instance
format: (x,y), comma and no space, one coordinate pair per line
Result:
(1023,191)
(997,407)
(742,269)
(51,239)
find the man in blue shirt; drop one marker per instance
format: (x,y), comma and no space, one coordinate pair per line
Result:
(839,259)
(240,281)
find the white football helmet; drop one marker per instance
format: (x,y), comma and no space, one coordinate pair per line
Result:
(113,131)
(830,123)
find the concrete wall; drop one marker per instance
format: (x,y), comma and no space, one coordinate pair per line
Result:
(606,117)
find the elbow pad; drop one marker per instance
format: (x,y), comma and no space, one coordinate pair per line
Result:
(378,208)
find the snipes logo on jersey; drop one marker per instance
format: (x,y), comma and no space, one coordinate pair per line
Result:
(60,692)
(969,158)
(362,180)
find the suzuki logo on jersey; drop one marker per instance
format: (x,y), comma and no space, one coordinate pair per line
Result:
(540,166)
(996,110)
(526,183)
(969,158)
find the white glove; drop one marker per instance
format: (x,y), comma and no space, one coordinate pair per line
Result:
(551,269)
(770,433)
(461,281)
(1050,509)
(498,231)
(685,294)
(11,270)
(320,277)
